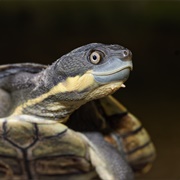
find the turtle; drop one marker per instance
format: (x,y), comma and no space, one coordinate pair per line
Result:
(61,121)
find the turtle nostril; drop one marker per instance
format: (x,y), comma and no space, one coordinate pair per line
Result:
(127,54)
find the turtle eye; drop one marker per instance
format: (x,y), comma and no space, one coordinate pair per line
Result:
(95,57)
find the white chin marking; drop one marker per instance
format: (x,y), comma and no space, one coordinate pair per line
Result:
(123,86)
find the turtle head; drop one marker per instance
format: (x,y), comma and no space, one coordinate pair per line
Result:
(91,71)
(86,73)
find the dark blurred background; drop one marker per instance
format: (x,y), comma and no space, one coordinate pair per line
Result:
(42,31)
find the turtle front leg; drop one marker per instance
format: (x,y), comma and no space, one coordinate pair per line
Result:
(106,159)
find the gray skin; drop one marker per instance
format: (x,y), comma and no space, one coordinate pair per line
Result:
(19,83)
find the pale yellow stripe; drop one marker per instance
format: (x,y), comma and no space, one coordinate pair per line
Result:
(77,83)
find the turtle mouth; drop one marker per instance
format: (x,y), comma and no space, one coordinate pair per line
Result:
(111,72)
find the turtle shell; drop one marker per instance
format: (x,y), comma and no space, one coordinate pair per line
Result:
(32,151)
(53,151)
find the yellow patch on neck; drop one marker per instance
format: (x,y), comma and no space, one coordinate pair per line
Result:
(77,83)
